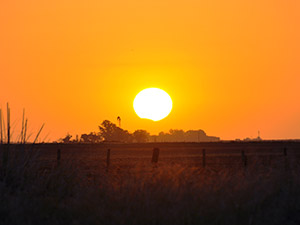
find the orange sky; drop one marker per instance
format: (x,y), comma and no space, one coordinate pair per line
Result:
(231,67)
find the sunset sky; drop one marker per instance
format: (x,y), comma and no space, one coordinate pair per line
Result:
(231,67)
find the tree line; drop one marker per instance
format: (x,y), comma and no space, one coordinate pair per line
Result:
(110,132)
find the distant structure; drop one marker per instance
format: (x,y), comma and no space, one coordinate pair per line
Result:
(183,136)
(119,120)
(258,138)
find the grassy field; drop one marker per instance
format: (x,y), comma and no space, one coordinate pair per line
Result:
(80,189)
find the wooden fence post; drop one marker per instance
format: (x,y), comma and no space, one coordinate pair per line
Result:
(155,155)
(203,158)
(244,159)
(286,162)
(107,159)
(8,125)
(58,157)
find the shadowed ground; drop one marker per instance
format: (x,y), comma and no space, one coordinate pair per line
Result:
(34,189)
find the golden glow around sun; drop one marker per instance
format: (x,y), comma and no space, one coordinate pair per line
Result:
(152,103)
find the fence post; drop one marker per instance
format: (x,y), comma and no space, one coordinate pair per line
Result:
(58,157)
(155,155)
(107,159)
(203,158)
(244,158)
(286,163)
(8,125)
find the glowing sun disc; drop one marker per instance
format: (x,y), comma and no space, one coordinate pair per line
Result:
(152,103)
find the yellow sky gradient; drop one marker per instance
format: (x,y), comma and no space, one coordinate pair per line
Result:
(231,67)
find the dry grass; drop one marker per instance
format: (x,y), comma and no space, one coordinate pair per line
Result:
(142,194)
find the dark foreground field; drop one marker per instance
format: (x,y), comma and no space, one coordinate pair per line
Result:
(261,186)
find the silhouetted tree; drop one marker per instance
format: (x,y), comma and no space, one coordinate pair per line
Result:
(111,132)
(177,135)
(141,136)
(92,137)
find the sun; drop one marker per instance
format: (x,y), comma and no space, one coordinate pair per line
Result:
(152,103)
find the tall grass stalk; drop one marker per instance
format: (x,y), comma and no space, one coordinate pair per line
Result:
(38,134)
(23,124)
(25,132)
(5,131)
(4,128)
